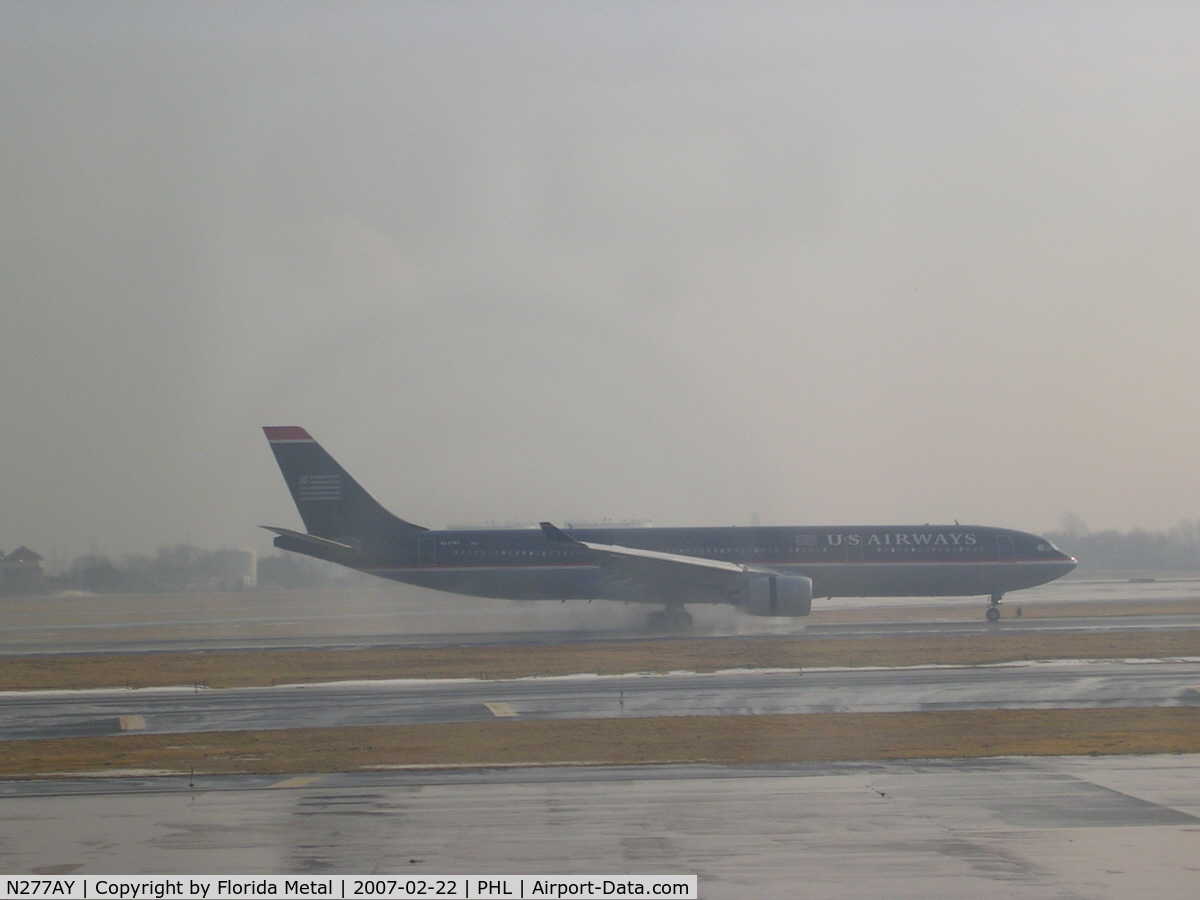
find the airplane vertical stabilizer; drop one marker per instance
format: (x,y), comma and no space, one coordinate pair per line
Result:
(332,504)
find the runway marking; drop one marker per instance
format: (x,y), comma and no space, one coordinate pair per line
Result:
(298,782)
(132,723)
(502,710)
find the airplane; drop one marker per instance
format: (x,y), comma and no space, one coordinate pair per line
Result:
(761,570)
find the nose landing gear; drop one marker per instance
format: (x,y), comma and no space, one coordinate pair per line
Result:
(673,618)
(993,612)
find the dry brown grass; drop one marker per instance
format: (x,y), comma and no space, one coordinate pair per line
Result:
(248,668)
(726,740)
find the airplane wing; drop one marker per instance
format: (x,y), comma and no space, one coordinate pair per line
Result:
(630,573)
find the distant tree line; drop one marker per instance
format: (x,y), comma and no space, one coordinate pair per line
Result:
(1177,548)
(182,568)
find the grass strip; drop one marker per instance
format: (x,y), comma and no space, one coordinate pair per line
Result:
(686,739)
(223,669)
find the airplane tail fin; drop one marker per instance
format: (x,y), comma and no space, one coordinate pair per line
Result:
(332,504)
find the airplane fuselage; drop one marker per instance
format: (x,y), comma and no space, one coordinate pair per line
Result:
(868,561)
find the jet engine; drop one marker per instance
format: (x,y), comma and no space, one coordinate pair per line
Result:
(778,595)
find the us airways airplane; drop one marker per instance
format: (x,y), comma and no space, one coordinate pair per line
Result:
(765,571)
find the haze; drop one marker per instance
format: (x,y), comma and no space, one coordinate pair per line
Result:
(819,263)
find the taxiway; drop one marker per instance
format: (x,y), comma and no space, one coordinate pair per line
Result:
(1066,684)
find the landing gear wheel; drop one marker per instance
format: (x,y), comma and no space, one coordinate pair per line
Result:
(683,620)
(668,620)
(993,613)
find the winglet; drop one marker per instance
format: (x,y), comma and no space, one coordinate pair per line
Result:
(556,535)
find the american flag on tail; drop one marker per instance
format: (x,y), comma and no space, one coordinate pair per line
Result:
(319,487)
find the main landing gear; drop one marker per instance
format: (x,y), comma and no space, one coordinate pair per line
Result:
(993,613)
(673,618)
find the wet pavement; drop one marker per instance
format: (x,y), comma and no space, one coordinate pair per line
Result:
(1003,828)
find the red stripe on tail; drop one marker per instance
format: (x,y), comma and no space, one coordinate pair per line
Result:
(286,433)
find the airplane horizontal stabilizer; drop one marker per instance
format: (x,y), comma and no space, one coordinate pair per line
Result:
(311,544)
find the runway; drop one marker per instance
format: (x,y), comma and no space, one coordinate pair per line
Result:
(997,829)
(1061,684)
(402,616)
(1076,625)
(1073,624)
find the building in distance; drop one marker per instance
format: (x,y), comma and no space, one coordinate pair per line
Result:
(22,573)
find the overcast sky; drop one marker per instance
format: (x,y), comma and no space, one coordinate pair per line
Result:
(826,263)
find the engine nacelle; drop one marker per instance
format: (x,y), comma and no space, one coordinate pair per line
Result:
(778,595)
